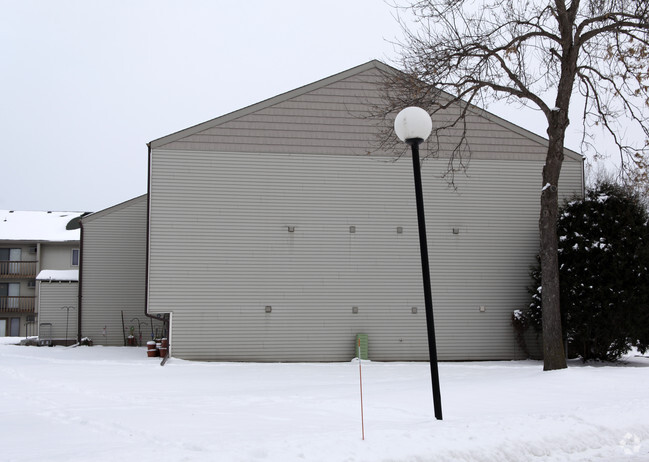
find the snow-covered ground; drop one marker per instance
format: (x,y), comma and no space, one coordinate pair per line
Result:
(109,404)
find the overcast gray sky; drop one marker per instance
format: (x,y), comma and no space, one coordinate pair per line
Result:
(87,83)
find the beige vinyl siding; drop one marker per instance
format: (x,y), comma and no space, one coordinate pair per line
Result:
(113,272)
(336,119)
(53,297)
(224,193)
(220,252)
(58,255)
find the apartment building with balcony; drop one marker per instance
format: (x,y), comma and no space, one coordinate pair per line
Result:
(29,243)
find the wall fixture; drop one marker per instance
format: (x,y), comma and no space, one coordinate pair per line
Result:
(399,230)
(413,310)
(291,229)
(456,230)
(268,309)
(482,308)
(352,229)
(355,309)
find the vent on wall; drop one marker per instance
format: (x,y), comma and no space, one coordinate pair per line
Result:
(31,284)
(32,249)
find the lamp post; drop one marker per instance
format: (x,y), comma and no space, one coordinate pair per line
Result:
(413,125)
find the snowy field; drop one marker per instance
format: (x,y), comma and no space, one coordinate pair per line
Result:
(111,404)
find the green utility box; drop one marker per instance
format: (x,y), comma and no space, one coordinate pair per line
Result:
(361,339)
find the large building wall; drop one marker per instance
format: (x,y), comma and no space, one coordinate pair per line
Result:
(224,195)
(221,251)
(113,273)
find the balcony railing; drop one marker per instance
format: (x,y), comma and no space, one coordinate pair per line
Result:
(17,304)
(17,269)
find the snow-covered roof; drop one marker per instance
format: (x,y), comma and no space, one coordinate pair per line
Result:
(58,275)
(18,225)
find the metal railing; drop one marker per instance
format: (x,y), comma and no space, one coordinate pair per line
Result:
(17,304)
(18,269)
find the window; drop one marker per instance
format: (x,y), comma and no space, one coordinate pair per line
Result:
(9,293)
(10,327)
(75,257)
(10,261)
(14,327)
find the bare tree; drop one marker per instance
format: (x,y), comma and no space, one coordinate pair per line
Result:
(543,54)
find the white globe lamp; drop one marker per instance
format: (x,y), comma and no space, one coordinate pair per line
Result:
(413,124)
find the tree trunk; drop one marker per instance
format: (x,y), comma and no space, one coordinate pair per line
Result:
(553,352)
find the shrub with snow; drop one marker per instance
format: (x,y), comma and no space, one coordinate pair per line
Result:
(603,272)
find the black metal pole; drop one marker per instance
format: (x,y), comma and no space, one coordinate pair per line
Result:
(428,296)
(67,317)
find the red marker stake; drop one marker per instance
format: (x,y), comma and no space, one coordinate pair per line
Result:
(360,375)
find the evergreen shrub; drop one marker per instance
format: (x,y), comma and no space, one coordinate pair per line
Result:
(603,273)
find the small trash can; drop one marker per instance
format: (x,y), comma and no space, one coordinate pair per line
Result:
(362,338)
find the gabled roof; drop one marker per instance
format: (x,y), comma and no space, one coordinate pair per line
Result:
(31,226)
(267,105)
